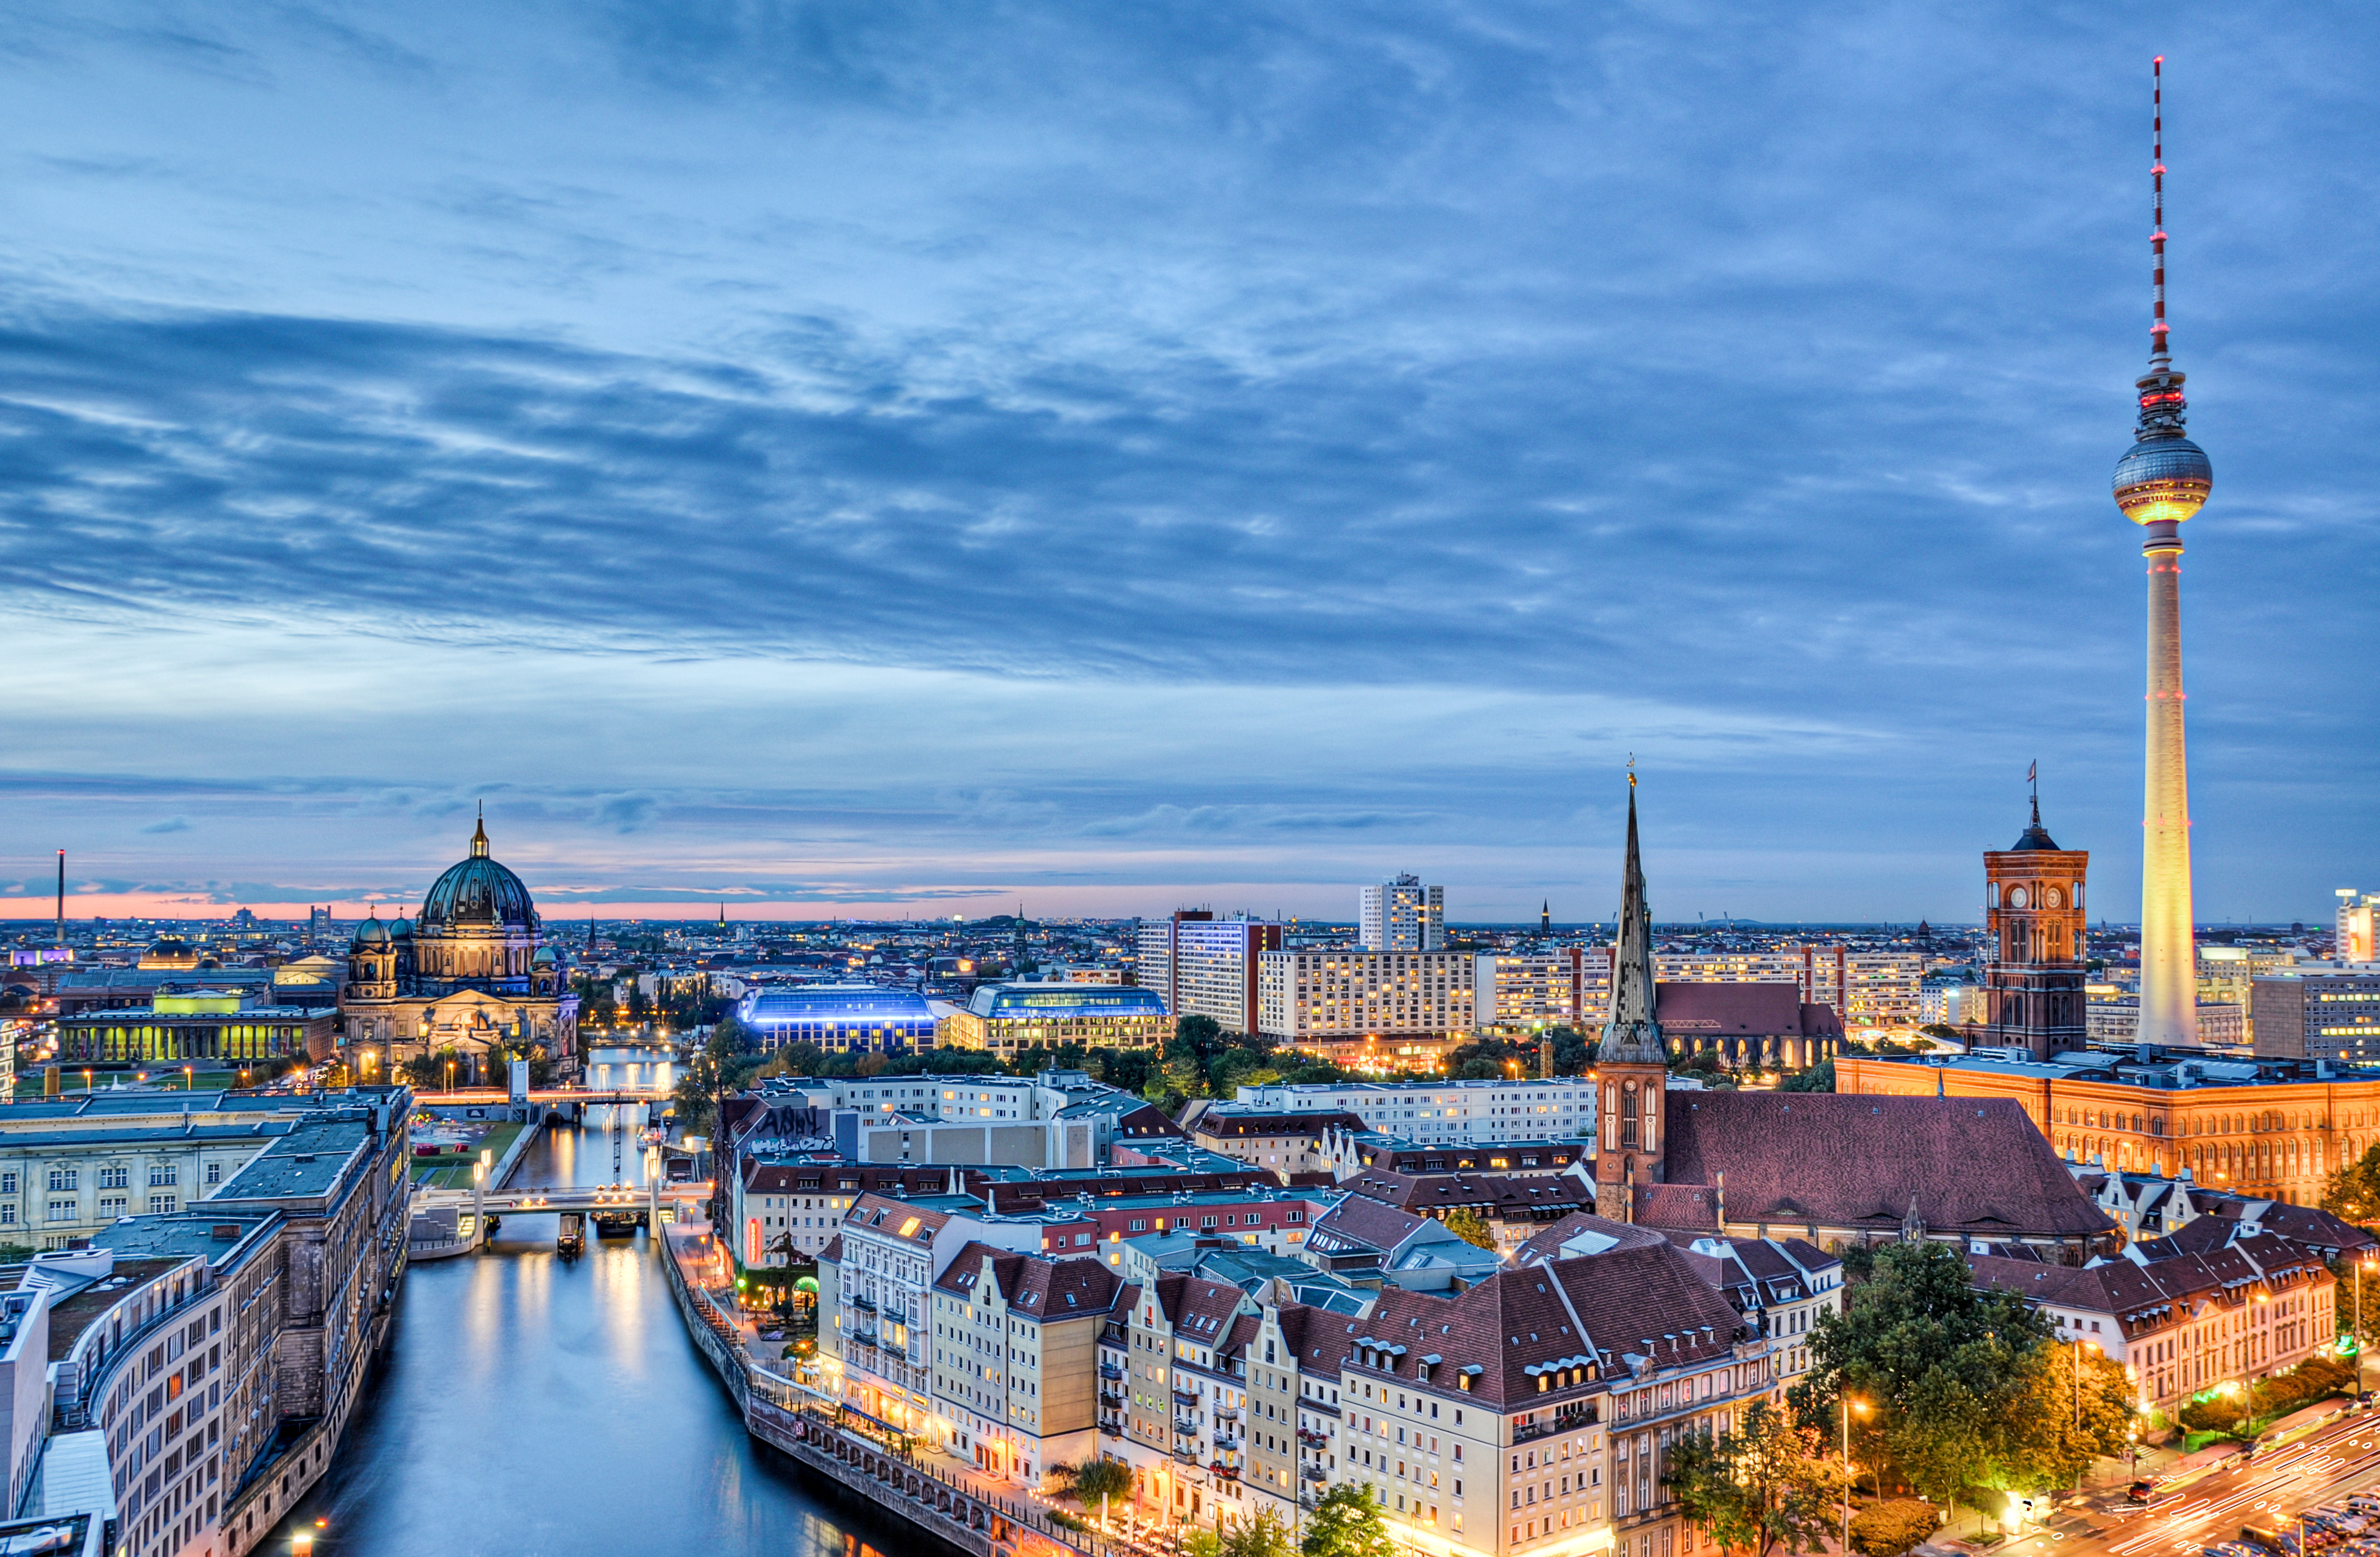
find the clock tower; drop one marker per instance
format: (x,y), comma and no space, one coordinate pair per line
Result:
(2033,908)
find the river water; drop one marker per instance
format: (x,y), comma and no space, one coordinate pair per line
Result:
(527,1405)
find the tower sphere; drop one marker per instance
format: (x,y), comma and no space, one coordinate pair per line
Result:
(2163,479)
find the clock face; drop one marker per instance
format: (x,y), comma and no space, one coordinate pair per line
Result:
(2052,897)
(2015,897)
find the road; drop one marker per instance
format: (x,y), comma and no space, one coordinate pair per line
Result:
(2269,1491)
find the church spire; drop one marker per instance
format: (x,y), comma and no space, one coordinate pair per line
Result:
(1632,1036)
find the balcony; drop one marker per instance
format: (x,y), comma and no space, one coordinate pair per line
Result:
(1184,1393)
(1112,1429)
(1227,1413)
(1111,1401)
(1311,1439)
(1227,1472)
(1111,1371)
(1226,1439)
(864,1338)
(1313,1473)
(867,1305)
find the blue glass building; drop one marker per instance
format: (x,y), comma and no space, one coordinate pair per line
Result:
(840,1017)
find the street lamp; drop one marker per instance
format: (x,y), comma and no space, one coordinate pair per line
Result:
(1850,1406)
(2360,1266)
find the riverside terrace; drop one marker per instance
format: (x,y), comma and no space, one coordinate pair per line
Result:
(2271,1127)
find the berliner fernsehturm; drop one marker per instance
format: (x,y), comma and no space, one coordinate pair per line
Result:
(2162,482)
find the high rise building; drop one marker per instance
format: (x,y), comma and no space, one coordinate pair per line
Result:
(1403,915)
(2162,481)
(2359,917)
(2033,996)
(1200,965)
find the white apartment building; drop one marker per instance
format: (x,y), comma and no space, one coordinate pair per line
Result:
(1402,916)
(1429,1112)
(1866,989)
(877,1317)
(1317,996)
(2358,917)
(1541,989)
(1204,966)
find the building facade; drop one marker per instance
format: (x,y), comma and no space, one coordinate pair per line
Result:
(1402,915)
(1002,1018)
(2270,1127)
(208,1029)
(470,973)
(1202,966)
(840,1017)
(1330,998)
(2318,1014)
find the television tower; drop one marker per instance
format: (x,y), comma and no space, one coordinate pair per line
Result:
(2162,481)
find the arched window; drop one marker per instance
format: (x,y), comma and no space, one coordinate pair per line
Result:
(1628,1116)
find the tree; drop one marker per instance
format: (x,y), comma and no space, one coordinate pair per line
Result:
(1470,1226)
(1819,1078)
(1958,1384)
(2353,1191)
(1096,1479)
(1887,1529)
(1768,1484)
(1261,1534)
(1347,1523)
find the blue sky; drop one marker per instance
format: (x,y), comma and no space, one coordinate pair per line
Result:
(902,457)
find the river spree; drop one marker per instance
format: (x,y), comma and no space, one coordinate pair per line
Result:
(528,1406)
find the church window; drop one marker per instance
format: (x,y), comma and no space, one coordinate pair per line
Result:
(1628,1116)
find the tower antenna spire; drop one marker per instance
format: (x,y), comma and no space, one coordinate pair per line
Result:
(2157,326)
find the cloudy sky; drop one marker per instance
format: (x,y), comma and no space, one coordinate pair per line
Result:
(905,458)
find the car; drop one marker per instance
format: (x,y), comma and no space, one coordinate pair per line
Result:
(2140,1491)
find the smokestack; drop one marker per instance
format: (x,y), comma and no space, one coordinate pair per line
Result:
(62,898)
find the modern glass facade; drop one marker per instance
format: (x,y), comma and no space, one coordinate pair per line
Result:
(840,1017)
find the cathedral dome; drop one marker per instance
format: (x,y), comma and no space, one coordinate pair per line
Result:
(370,932)
(478,893)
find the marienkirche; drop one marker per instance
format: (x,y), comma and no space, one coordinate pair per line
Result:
(466,974)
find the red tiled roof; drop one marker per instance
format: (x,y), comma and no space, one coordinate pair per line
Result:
(1974,1165)
(1725,1010)
(1237,1127)
(1578,1320)
(1547,1245)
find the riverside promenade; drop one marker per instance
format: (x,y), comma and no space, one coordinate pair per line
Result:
(950,1503)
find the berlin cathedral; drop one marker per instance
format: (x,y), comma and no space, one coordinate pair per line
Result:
(466,976)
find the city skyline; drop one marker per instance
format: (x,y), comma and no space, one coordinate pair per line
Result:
(893,544)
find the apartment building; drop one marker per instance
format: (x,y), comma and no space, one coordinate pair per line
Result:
(786,1211)
(1569,986)
(1187,1392)
(1015,1357)
(1281,1143)
(1307,998)
(875,1279)
(1201,965)
(2181,1322)
(1435,1112)
(1402,915)
(1865,988)
(2317,1012)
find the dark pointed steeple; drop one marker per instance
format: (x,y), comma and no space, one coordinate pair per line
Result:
(1632,1036)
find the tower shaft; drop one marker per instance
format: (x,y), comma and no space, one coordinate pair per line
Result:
(2169,955)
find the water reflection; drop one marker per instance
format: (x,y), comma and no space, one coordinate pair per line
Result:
(529,1405)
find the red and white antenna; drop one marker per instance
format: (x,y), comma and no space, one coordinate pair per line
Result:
(2158,327)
